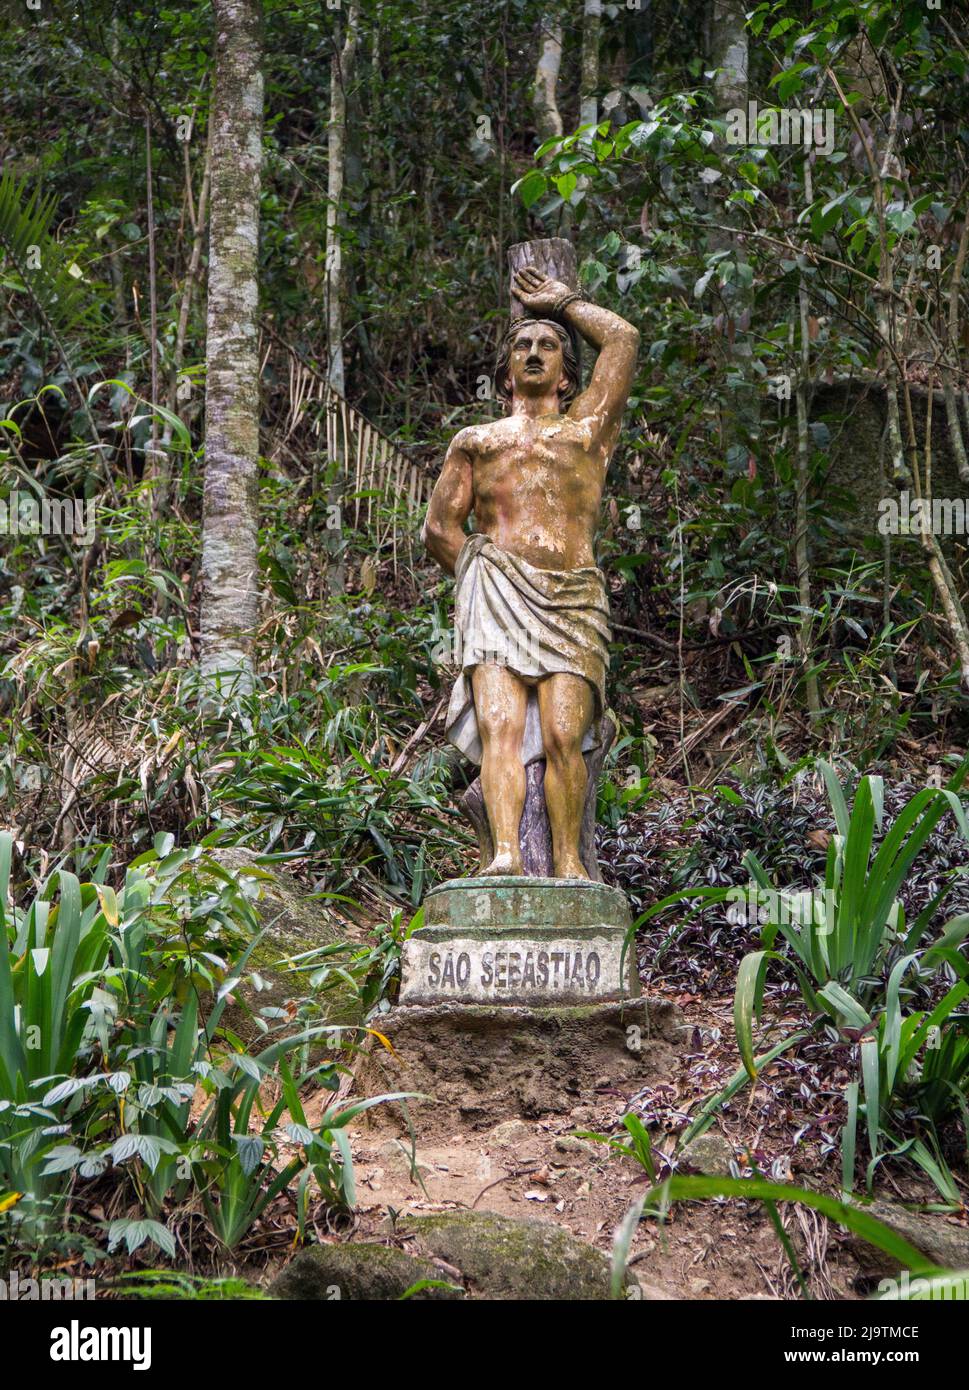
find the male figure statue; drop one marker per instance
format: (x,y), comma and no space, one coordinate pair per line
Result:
(531,605)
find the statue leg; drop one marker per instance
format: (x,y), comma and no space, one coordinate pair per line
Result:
(566,705)
(500,702)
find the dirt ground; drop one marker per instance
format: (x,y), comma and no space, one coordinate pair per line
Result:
(536,1166)
(714,1250)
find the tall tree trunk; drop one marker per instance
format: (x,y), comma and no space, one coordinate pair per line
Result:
(589,94)
(341,75)
(548,119)
(802,548)
(952,356)
(729,55)
(230,564)
(342,67)
(189,288)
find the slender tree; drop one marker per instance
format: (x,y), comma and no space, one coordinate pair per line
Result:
(230,522)
(342,67)
(548,119)
(729,53)
(589,94)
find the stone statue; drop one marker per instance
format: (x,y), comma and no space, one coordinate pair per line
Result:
(532,610)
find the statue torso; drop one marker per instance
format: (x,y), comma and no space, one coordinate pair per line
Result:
(537,488)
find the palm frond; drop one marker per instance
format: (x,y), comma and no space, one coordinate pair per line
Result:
(44,271)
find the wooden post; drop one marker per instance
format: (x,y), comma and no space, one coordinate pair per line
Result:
(555,257)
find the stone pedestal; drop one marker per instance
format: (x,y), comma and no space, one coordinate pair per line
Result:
(521,942)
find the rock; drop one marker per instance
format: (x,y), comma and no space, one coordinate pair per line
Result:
(861,404)
(941,1241)
(571,1144)
(359,1272)
(511,1132)
(652,1293)
(397,1156)
(292,923)
(503,1257)
(710,1154)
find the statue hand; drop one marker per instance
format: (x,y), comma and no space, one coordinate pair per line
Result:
(538,294)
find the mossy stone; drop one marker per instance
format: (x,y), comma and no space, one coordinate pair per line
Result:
(359,1272)
(507,1258)
(292,923)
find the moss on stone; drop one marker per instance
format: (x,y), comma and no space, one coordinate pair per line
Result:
(292,924)
(507,1258)
(361,1272)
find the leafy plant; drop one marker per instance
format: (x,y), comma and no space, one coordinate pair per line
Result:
(171,1284)
(47,274)
(51,957)
(851,1216)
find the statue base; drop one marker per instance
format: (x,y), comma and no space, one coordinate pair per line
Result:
(521,942)
(475,1065)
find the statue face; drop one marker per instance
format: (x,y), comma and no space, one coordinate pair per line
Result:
(535,364)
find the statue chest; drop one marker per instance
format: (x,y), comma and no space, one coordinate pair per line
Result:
(532,466)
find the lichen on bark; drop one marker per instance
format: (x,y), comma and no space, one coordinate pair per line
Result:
(230,564)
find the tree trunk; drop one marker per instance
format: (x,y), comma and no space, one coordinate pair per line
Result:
(729,55)
(230,564)
(548,119)
(341,74)
(802,548)
(555,257)
(589,94)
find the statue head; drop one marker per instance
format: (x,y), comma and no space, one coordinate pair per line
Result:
(535,356)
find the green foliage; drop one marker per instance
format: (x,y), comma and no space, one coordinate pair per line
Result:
(45,272)
(848,1215)
(110,1031)
(845,935)
(167,1284)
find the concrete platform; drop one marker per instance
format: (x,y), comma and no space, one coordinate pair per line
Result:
(516,941)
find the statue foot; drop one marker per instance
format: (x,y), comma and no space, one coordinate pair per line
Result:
(571,868)
(504,862)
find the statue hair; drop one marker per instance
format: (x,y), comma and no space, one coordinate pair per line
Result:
(570,363)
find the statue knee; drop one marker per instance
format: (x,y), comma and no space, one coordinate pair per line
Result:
(561,745)
(500,735)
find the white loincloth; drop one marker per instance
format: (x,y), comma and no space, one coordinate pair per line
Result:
(537,623)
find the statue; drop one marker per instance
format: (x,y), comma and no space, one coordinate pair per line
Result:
(532,611)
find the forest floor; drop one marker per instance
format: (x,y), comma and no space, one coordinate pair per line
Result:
(540,1168)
